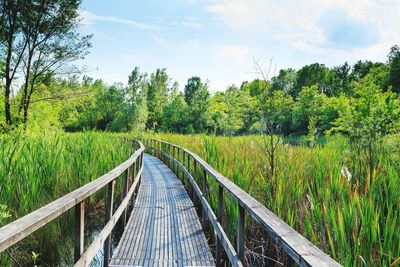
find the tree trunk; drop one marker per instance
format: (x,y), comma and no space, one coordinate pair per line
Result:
(7,91)
(7,105)
(26,95)
(27,103)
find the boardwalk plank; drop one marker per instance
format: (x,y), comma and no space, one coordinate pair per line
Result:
(163,229)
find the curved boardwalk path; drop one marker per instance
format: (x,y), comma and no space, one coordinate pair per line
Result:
(164,229)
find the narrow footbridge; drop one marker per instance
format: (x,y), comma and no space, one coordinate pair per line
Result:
(172,214)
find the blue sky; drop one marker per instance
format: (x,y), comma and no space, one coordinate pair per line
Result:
(220,40)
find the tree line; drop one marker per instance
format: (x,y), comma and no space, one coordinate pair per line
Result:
(314,99)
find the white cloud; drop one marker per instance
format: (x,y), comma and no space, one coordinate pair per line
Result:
(236,51)
(160,41)
(296,22)
(190,1)
(191,23)
(89,18)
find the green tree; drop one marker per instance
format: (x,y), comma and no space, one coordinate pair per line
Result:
(50,30)
(394,68)
(112,109)
(157,97)
(282,114)
(231,112)
(80,113)
(197,97)
(314,74)
(362,68)
(285,80)
(12,47)
(330,112)
(176,115)
(371,115)
(255,88)
(309,103)
(341,80)
(136,97)
(216,114)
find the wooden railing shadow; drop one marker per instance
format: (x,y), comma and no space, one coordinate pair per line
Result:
(131,170)
(181,160)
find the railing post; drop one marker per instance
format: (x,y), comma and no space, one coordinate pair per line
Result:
(176,164)
(163,150)
(188,169)
(79,230)
(140,167)
(124,193)
(171,153)
(171,162)
(140,160)
(159,150)
(188,163)
(220,214)
(194,178)
(204,214)
(179,160)
(109,212)
(133,180)
(166,156)
(240,233)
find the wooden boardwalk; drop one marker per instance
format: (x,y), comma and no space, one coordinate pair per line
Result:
(164,229)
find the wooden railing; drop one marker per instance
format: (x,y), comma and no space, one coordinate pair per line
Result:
(302,251)
(132,170)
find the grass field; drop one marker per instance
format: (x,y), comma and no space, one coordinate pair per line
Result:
(37,169)
(356,221)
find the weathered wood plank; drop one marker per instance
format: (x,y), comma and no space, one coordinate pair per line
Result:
(164,229)
(220,212)
(109,212)
(226,244)
(90,253)
(240,233)
(79,230)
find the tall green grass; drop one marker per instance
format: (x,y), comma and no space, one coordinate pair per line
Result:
(36,169)
(357,222)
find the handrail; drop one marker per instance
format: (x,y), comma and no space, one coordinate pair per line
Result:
(301,250)
(23,227)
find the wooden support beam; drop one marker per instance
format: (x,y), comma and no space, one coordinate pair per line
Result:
(133,181)
(109,213)
(124,217)
(179,159)
(188,168)
(240,233)
(176,156)
(204,213)
(79,230)
(220,214)
(195,178)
